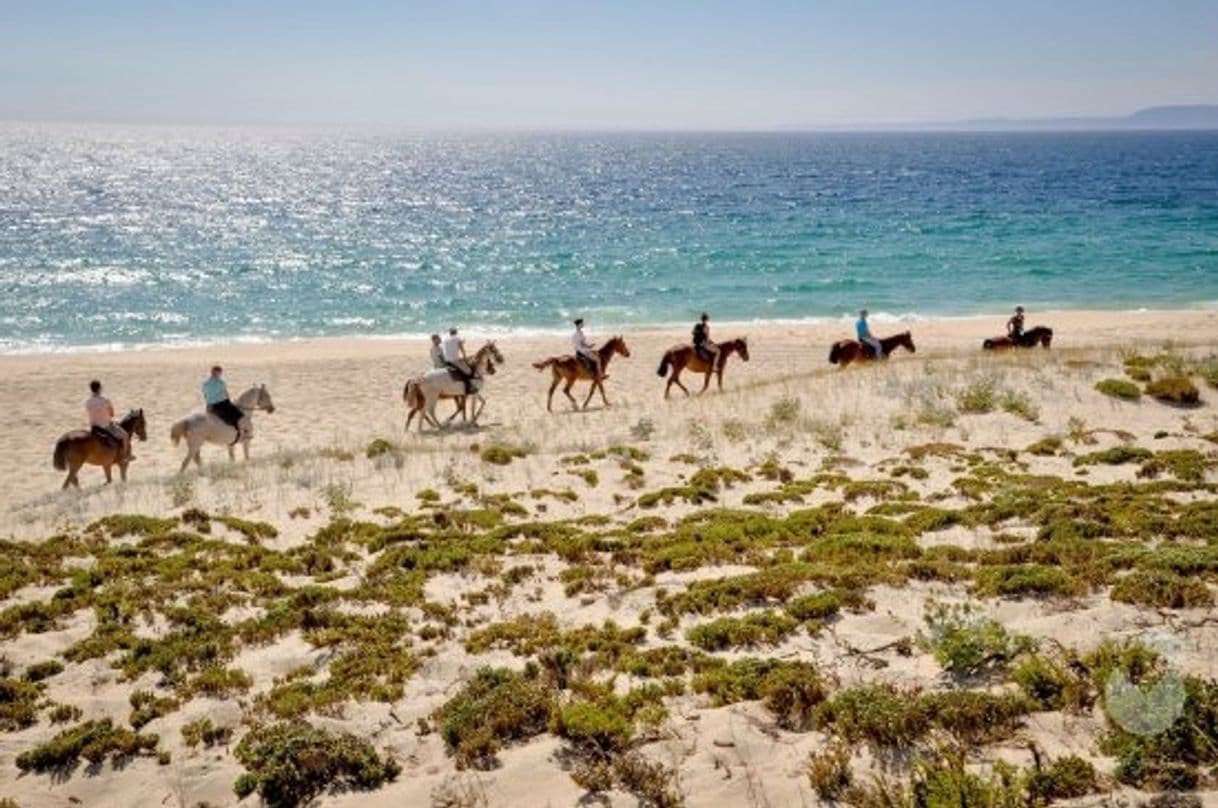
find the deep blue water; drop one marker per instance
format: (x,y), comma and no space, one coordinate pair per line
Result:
(113,235)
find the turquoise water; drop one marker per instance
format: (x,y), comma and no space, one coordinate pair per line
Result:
(112,236)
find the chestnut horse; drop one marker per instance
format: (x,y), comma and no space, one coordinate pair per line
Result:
(81,446)
(1040,335)
(684,356)
(848,350)
(571,369)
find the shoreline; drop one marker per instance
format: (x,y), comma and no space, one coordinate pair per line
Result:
(815,324)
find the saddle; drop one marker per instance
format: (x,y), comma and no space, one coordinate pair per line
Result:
(587,362)
(702,353)
(106,437)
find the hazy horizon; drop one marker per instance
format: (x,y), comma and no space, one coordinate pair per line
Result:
(545,66)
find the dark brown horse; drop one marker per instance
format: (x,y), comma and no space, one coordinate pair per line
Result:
(849,350)
(1040,335)
(81,446)
(684,356)
(571,368)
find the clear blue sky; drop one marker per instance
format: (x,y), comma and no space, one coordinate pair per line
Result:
(624,64)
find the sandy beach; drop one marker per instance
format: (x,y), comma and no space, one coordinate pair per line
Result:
(880,442)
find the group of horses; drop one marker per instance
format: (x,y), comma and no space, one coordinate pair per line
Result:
(423,392)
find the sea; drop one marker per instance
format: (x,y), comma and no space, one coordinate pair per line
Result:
(117,237)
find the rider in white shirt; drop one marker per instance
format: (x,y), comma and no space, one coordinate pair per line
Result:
(453,349)
(437,353)
(101,418)
(583,347)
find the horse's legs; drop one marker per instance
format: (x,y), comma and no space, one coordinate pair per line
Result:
(705,382)
(591,390)
(478,409)
(566,390)
(245,450)
(232,454)
(550,396)
(122,471)
(106,468)
(719,375)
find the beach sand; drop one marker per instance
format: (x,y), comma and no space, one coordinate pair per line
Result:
(787,405)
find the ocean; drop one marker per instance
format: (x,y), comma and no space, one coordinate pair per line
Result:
(124,236)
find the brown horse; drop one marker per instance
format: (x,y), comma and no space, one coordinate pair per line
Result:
(684,356)
(413,397)
(571,369)
(1040,335)
(81,446)
(848,350)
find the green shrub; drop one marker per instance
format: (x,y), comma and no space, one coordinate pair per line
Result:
(792,692)
(378,447)
(203,731)
(43,670)
(829,771)
(965,644)
(1014,580)
(1178,390)
(1066,778)
(1053,683)
(501,454)
(292,763)
(497,706)
(1183,464)
(761,628)
(600,728)
(1119,388)
(978,398)
(92,740)
(18,704)
(1162,589)
(1115,456)
(1019,404)
(1046,447)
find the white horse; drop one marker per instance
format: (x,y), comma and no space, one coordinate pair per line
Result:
(203,427)
(436,384)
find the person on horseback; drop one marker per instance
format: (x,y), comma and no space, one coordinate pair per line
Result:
(456,361)
(215,396)
(101,421)
(437,353)
(584,350)
(863,330)
(1015,325)
(703,345)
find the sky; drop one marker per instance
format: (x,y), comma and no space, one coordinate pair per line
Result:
(581,64)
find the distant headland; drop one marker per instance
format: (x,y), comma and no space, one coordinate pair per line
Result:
(1167,117)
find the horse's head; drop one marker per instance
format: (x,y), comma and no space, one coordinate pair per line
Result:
(742,347)
(256,398)
(906,339)
(485,356)
(1045,336)
(134,424)
(617,345)
(264,399)
(490,367)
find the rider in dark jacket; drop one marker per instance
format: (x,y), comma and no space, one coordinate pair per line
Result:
(705,348)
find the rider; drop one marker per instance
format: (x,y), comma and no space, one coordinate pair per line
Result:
(865,336)
(101,420)
(1015,324)
(437,353)
(703,345)
(453,349)
(215,396)
(583,347)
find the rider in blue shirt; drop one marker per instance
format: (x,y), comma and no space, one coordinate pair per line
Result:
(864,334)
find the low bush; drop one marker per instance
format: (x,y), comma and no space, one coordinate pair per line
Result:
(965,644)
(93,740)
(495,707)
(1162,589)
(292,763)
(1122,389)
(1178,390)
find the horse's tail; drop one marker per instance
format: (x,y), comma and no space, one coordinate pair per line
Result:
(178,431)
(987,345)
(663,370)
(411,393)
(835,353)
(60,459)
(545,363)
(406,390)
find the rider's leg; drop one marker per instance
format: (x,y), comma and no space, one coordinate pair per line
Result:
(124,441)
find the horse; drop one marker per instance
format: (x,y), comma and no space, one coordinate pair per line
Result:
(571,368)
(1040,335)
(81,446)
(436,384)
(681,357)
(203,427)
(846,351)
(413,397)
